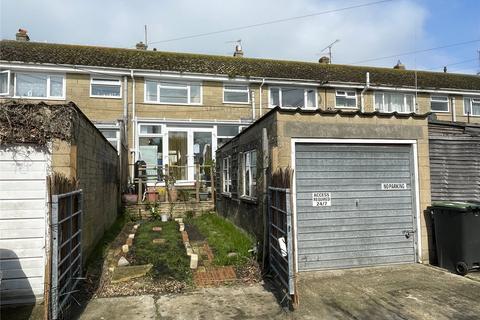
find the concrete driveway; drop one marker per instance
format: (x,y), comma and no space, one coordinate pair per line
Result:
(397,292)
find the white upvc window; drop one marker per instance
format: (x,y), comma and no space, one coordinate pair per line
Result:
(112,135)
(471,106)
(233,93)
(345,99)
(293,97)
(168,92)
(226,177)
(439,104)
(4,82)
(250,174)
(105,87)
(394,102)
(39,86)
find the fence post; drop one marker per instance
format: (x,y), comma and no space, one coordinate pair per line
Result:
(212,183)
(197,182)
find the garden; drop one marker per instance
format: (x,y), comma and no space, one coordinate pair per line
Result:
(154,256)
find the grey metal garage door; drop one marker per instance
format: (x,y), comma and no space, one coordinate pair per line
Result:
(355,205)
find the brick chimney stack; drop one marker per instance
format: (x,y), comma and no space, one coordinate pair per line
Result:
(22,35)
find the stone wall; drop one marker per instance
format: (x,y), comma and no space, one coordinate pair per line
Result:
(92,160)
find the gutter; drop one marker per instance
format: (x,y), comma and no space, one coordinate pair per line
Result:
(367,86)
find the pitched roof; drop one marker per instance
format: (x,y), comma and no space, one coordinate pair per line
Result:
(80,55)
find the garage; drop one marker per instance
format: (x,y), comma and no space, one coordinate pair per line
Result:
(355,204)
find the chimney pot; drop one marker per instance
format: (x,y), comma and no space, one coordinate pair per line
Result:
(141,46)
(22,35)
(324,60)
(399,66)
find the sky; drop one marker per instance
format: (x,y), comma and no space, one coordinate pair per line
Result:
(366,34)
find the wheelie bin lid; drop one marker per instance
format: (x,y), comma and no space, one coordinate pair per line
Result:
(457,205)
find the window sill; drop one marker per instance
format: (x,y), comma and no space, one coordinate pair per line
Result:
(38,98)
(472,115)
(440,111)
(349,108)
(227,194)
(173,104)
(105,97)
(248,199)
(240,103)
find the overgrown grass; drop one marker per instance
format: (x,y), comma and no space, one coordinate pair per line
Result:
(224,237)
(100,249)
(169,259)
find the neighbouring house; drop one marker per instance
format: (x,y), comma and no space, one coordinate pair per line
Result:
(46,150)
(360,184)
(178,108)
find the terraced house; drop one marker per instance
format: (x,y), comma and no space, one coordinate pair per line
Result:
(179,108)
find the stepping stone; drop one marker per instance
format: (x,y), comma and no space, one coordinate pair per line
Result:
(179,220)
(131,235)
(122,262)
(159,241)
(135,227)
(125,248)
(184,236)
(232,254)
(193,261)
(157,229)
(122,274)
(181,226)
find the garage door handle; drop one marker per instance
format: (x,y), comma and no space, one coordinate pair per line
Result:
(408,233)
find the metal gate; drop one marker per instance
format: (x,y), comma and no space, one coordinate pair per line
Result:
(355,205)
(66,226)
(280,241)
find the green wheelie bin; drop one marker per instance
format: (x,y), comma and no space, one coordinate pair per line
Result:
(457,235)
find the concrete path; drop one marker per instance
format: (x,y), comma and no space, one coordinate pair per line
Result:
(397,292)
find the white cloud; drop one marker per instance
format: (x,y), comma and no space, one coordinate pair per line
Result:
(364,33)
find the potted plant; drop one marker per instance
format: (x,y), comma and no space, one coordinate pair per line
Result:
(171,189)
(162,194)
(130,196)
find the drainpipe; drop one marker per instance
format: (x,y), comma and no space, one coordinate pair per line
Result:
(125,106)
(133,121)
(253,104)
(367,86)
(260,100)
(454,111)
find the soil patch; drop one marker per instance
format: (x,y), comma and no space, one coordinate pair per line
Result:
(193,233)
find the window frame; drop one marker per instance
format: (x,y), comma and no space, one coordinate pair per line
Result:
(436,100)
(227,175)
(94,79)
(305,97)
(47,96)
(394,92)
(116,129)
(175,85)
(236,90)
(346,97)
(8,72)
(248,194)
(476,99)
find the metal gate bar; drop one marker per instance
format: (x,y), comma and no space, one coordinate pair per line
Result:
(66,226)
(280,240)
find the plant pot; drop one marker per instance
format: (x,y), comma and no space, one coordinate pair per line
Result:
(152,196)
(164,217)
(203,196)
(129,198)
(162,197)
(173,194)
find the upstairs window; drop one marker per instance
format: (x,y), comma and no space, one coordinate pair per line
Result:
(394,102)
(439,103)
(227,179)
(236,94)
(471,106)
(105,88)
(292,97)
(112,135)
(173,92)
(4,82)
(345,99)
(250,174)
(38,85)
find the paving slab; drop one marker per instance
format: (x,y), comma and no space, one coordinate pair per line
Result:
(411,291)
(223,303)
(121,308)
